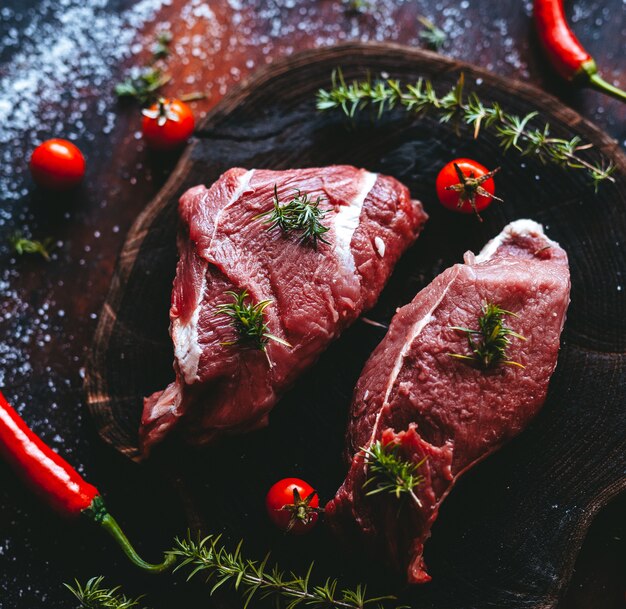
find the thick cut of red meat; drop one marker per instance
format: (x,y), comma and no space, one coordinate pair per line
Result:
(315,293)
(449,412)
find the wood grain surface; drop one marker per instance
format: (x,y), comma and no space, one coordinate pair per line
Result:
(509,534)
(75,51)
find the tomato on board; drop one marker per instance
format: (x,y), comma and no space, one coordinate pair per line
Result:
(293,505)
(167,124)
(466,186)
(57,164)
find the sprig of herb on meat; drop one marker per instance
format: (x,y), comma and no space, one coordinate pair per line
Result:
(93,595)
(21,246)
(433,36)
(493,338)
(257,579)
(510,130)
(388,472)
(302,215)
(248,319)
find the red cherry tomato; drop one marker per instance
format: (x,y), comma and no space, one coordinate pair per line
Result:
(293,505)
(167,124)
(57,164)
(470,192)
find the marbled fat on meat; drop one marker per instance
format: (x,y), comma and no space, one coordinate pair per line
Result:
(315,293)
(453,414)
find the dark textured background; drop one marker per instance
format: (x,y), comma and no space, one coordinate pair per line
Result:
(58,62)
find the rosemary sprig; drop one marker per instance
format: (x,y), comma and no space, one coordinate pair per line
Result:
(490,349)
(388,472)
(253,578)
(433,36)
(21,246)
(93,595)
(301,215)
(248,319)
(143,84)
(510,130)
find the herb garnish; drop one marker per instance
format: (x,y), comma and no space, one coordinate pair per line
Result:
(22,246)
(490,349)
(94,596)
(250,578)
(433,36)
(389,472)
(511,131)
(301,214)
(248,319)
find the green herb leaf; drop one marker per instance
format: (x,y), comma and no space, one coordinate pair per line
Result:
(248,319)
(22,246)
(94,596)
(493,339)
(301,215)
(251,578)
(143,87)
(433,36)
(512,132)
(388,472)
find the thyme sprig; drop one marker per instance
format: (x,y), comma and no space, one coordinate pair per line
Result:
(248,319)
(301,215)
(493,338)
(93,595)
(510,130)
(388,472)
(21,246)
(253,578)
(433,36)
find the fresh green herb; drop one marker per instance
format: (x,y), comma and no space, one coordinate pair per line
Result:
(433,36)
(253,578)
(511,131)
(301,215)
(490,349)
(388,472)
(94,596)
(22,246)
(144,86)
(161,48)
(357,6)
(248,319)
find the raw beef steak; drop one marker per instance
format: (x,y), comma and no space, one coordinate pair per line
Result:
(448,412)
(315,292)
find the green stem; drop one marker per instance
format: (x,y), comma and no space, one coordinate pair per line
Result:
(598,83)
(98,512)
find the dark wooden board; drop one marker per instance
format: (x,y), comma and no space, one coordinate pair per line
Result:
(508,535)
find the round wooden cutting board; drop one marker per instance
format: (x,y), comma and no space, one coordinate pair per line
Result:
(508,534)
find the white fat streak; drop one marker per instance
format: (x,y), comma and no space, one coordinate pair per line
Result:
(187,348)
(518,228)
(380,246)
(347,221)
(415,331)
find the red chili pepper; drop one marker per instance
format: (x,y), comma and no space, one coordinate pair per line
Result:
(566,54)
(58,482)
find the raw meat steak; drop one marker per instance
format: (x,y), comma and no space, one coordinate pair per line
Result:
(453,413)
(315,292)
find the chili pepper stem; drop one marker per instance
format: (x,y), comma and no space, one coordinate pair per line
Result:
(599,84)
(98,512)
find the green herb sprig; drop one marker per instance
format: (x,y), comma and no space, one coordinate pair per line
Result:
(388,472)
(253,578)
(431,35)
(510,130)
(248,319)
(21,246)
(301,215)
(493,338)
(93,595)
(146,82)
